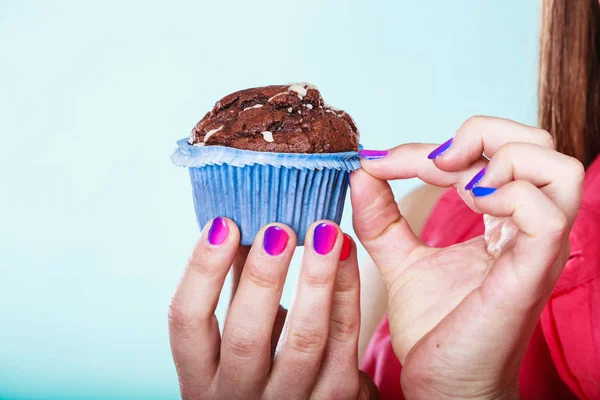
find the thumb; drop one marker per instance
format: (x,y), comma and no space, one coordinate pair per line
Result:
(379,225)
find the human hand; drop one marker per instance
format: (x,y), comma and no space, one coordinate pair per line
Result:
(461,317)
(316,356)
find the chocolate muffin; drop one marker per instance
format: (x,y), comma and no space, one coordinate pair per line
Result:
(270,154)
(280,119)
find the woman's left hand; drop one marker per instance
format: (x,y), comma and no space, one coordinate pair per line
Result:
(461,317)
(317,356)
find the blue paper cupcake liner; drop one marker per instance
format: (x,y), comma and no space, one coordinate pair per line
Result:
(257,188)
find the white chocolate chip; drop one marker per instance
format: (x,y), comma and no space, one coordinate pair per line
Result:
(309,106)
(254,106)
(211,132)
(277,95)
(300,112)
(290,109)
(298,88)
(268,136)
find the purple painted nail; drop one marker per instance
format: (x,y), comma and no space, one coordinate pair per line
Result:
(324,238)
(373,154)
(218,231)
(480,191)
(476,179)
(275,240)
(440,150)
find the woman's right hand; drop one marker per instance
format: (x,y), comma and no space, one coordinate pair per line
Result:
(317,354)
(461,316)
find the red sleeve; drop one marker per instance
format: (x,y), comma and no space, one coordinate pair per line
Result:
(571,319)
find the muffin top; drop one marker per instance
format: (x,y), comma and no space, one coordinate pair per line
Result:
(283,119)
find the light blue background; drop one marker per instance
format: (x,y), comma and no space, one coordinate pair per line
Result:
(96,224)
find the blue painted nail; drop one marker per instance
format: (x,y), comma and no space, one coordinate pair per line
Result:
(480,191)
(373,154)
(440,150)
(476,179)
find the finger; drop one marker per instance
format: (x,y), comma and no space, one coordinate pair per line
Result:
(338,378)
(410,160)
(476,137)
(298,358)
(368,389)
(236,269)
(486,135)
(193,327)
(278,328)
(246,345)
(524,276)
(558,176)
(379,225)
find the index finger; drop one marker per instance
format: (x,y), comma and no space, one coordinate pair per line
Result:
(193,327)
(482,135)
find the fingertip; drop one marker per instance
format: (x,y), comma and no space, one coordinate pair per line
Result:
(483,191)
(440,150)
(373,155)
(276,238)
(454,160)
(347,245)
(220,231)
(323,237)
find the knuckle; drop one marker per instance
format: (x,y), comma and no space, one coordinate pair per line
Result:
(505,153)
(576,168)
(318,277)
(547,139)
(557,225)
(472,124)
(241,342)
(368,222)
(260,277)
(181,317)
(475,120)
(306,340)
(343,327)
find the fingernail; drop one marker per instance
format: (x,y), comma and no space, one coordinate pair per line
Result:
(440,150)
(346,247)
(218,231)
(476,179)
(275,240)
(373,154)
(481,191)
(324,238)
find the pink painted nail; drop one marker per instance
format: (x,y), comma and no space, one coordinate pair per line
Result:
(324,238)
(373,154)
(275,240)
(218,231)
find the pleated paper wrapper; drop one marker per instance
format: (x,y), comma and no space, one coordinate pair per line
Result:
(257,188)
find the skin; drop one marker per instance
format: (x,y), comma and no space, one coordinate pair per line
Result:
(416,207)
(460,317)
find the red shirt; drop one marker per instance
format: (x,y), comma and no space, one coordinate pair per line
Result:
(563,358)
